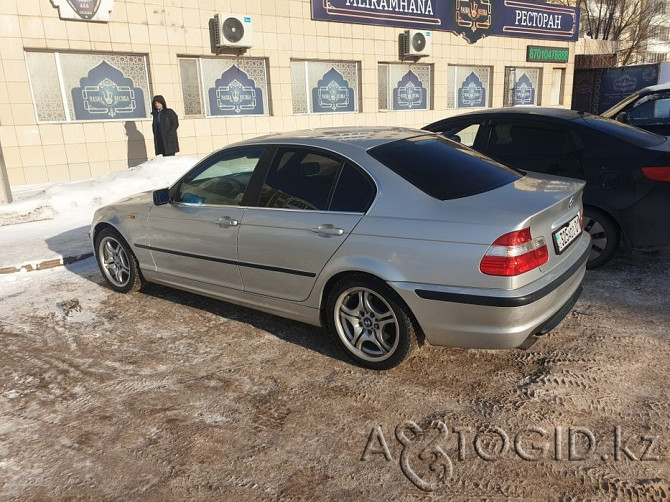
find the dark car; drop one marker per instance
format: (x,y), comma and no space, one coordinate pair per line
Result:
(648,108)
(626,169)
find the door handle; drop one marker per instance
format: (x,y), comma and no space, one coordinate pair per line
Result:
(328,229)
(226,222)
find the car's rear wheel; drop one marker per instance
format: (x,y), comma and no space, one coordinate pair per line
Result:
(370,322)
(117,262)
(604,237)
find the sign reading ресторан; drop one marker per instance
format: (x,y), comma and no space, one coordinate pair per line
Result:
(535,54)
(472,19)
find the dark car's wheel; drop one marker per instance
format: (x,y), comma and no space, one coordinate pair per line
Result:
(604,237)
(370,322)
(117,262)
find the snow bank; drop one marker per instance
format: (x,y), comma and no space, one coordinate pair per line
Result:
(76,201)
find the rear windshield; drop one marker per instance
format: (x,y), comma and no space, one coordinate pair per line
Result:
(624,132)
(443,169)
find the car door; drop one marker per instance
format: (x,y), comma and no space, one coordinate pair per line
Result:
(532,145)
(308,205)
(194,237)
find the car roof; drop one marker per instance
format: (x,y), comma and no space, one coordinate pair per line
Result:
(652,89)
(361,137)
(559,113)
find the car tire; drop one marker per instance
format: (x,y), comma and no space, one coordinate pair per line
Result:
(370,322)
(117,262)
(604,237)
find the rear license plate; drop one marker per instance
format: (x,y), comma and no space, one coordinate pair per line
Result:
(565,235)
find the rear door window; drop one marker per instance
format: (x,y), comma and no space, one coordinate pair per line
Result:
(354,192)
(443,169)
(300,179)
(534,146)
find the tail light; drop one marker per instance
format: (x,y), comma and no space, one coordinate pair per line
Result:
(657,173)
(514,253)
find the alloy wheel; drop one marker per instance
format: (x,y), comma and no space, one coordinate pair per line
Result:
(114,261)
(366,324)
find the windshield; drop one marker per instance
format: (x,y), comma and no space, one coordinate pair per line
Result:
(614,111)
(442,168)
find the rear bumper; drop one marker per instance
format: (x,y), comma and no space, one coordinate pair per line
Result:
(493,318)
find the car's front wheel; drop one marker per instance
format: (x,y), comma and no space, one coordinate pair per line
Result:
(117,262)
(370,322)
(604,236)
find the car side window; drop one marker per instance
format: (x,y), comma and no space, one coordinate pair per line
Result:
(464,134)
(533,147)
(656,111)
(519,140)
(300,179)
(221,179)
(354,191)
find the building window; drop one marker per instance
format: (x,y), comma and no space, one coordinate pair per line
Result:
(325,86)
(404,86)
(69,86)
(469,86)
(224,86)
(655,57)
(658,6)
(659,32)
(522,86)
(557,86)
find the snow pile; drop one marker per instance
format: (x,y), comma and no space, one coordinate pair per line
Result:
(51,222)
(76,201)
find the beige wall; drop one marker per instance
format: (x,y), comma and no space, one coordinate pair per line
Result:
(163,29)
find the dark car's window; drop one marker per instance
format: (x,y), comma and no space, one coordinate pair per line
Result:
(354,192)
(443,169)
(653,111)
(532,146)
(623,132)
(299,179)
(527,140)
(220,179)
(464,133)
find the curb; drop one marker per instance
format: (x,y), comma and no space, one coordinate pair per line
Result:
(46,264)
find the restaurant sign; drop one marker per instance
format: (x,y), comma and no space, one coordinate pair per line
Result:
(472,19)
(84,10)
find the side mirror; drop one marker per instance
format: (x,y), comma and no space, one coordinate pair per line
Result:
(161,196)
(622,117)
(455,137)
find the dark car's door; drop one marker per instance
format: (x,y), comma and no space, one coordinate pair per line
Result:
(308,205)
(534,145)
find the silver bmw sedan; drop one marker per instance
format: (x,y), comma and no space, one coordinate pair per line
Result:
(385,236)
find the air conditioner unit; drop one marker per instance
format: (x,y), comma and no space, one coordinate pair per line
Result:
(231,30)
(416,43)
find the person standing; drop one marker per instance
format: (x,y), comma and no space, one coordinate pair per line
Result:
(165,126)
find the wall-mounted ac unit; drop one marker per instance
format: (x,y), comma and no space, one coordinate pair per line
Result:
(231,30)
(416,43)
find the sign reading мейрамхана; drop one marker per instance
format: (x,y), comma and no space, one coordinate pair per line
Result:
(473,19)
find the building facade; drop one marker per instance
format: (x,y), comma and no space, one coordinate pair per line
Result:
(77,76)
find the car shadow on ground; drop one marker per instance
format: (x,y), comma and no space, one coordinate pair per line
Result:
(72,244)
(298,333)
(305,335)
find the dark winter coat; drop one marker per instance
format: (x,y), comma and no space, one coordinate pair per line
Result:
(165,131)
